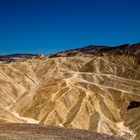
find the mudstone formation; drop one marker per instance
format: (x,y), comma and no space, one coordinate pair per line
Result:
(95,88)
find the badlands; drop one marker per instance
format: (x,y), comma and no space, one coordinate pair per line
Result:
(95,88)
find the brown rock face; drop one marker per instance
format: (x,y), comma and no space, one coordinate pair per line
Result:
(39,132)
(100,93)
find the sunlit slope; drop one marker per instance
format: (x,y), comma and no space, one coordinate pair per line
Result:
(93,93)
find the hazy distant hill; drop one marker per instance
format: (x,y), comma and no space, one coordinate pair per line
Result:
(21,55)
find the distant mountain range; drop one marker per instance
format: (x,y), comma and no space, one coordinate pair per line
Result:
(133,49)
(21,55)
(14,57)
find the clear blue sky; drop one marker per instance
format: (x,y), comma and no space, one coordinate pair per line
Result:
(48,26)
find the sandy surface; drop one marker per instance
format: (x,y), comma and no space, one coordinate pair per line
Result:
(91,93)
(38,132)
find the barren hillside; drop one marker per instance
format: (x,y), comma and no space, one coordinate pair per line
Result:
(97,91)
(39,132)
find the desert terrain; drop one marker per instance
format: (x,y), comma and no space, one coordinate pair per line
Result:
(92,88)
(38,132)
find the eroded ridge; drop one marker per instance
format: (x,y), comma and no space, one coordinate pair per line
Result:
(93,93)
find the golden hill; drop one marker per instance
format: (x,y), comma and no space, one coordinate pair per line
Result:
(100,93)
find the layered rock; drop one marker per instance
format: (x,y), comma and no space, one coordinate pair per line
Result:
(100,92)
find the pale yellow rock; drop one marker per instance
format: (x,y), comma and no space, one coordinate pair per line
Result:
(91,93)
